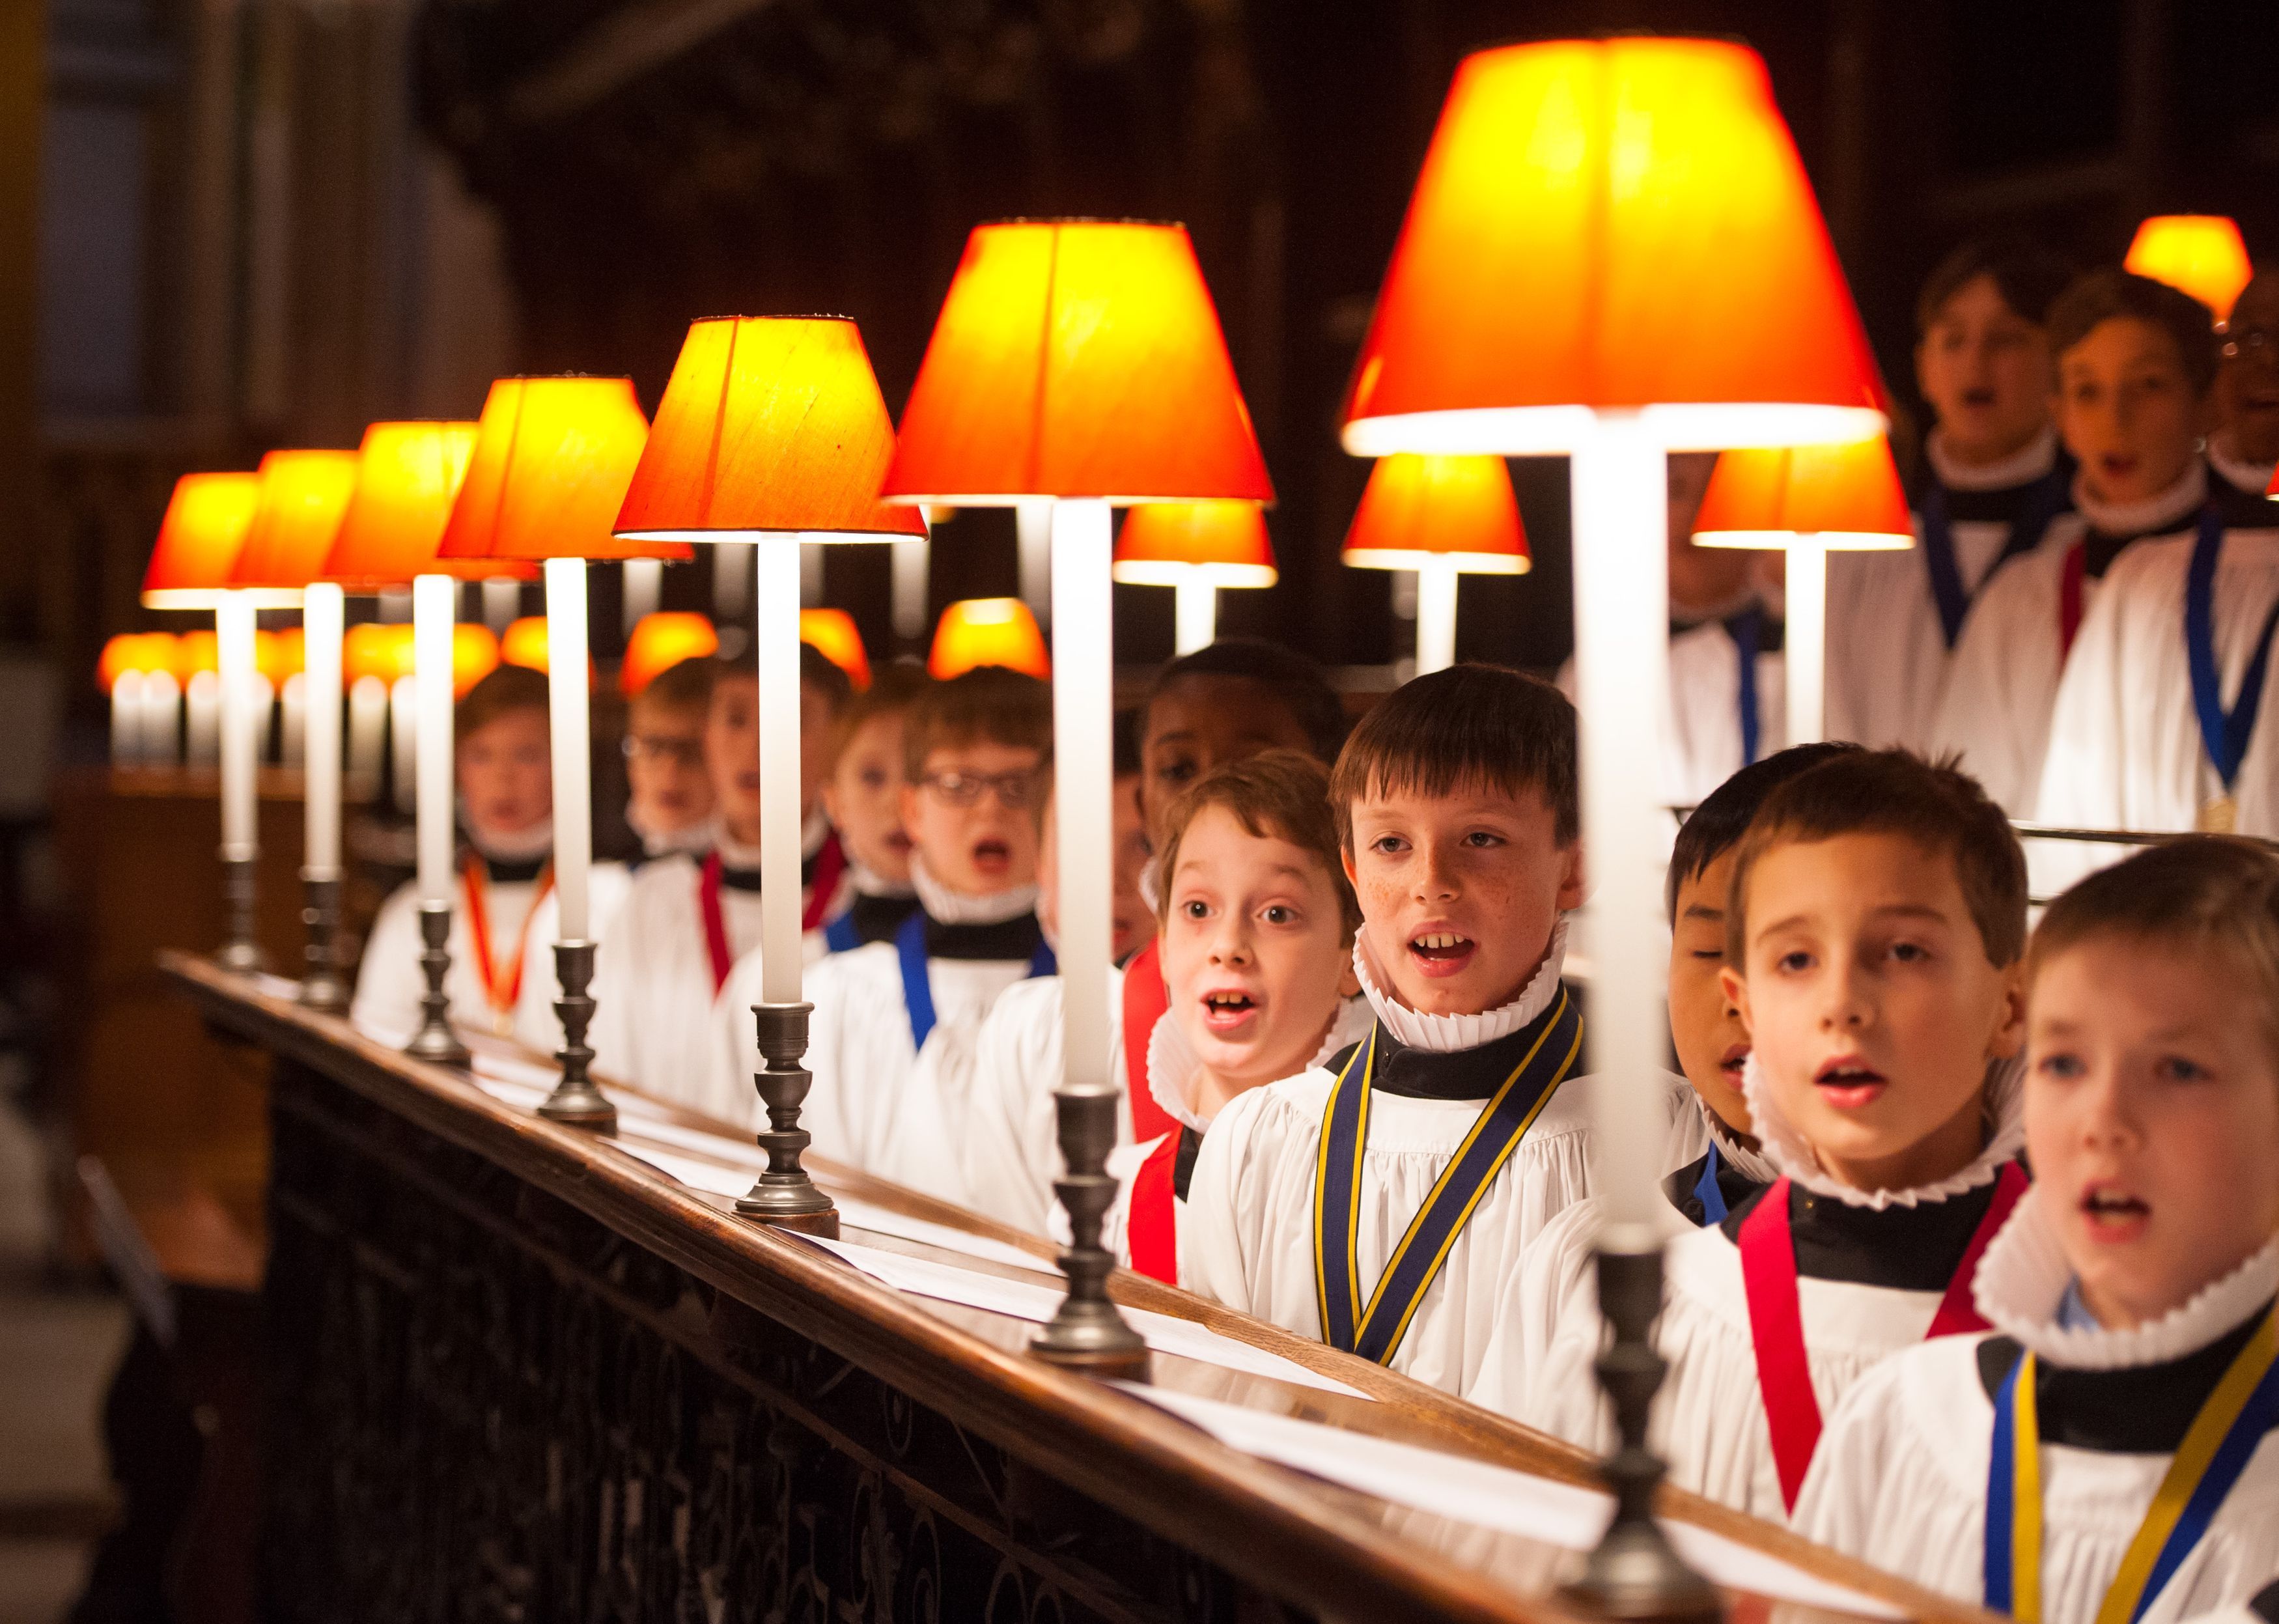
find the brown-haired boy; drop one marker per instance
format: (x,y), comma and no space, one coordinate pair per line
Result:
(1417,1164)
(671,804)
(890,1044)
(1875,932)
(863,796)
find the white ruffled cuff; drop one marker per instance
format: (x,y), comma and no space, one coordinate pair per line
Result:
(1454,1034)
(1791,1157)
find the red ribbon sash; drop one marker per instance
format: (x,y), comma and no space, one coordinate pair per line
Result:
(2076,562)
(1776,1319)
(502,982)
(1151,1226)
(830,867)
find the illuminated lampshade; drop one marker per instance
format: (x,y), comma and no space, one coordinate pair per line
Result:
(1847,495)
(1168,543)
(194,652)
(474,656)
(552,459)
(987,631)
(305,497)
(140,652)
(2202,254)
(769,425)
(199,540)
(376,650)
(282,654)
(525,643)
(659,642)
(1077,359)
(407,476)
(832,633)
(1611,224)
(1458,508)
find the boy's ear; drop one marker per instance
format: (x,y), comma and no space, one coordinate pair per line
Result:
(1571,883)
(1348,983)
(1344,861)
(1736,986)
(2009,1034)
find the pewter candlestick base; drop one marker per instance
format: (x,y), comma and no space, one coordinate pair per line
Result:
(1634,1574)
(1087,1333)
(323,987)
(238,951)
(435,1040)
(575,1100)
(784,1194)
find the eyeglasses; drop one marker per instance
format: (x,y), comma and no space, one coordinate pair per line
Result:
(1014,790)
(681,752)
(2260,342)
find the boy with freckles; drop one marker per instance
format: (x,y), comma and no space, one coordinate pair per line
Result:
(1379,1200)
(1875,928)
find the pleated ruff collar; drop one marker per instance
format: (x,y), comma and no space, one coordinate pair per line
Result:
(2156,515)
(2024,1275)
(1790,1157)
(1750,1164)
(1173,1066)
(812,834)
(2022,466)
(947,907)
(512,847)
(1454,1034)
(868,882)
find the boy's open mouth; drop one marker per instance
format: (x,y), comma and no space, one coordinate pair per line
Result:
(2114,1214)
(1735,1060)
(1228,1010)
(898,842)
(1979,395)
(1441,953)
(1848,1082)
(991,857)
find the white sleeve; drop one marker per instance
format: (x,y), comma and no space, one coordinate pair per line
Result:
(1554,1270)
(2081,785)
(826,1116)
(389,977)
(1012,1152)
(1549,1380)
(732,1055)
(1219,1239)
(1844,1489)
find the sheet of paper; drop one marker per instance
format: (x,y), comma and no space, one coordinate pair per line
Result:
(1489,1497)
(1165,1333)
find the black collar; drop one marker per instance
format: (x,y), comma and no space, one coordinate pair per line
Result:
(876,919)
(748,880)
(1913,1248)
(2242,508)
(1018,938)
(1682,1188)
(1182,1159)
(2142,1410)
(502,872)
(1467,1074)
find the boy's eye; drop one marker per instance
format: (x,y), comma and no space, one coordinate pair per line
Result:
(1482,839)
(1712,955)
(873,778)
(1793,961)
(1279,914)
(1195,909)
(2176,1069)
(1388,845)
(1909,952)
(1176,772)
(2059,1065)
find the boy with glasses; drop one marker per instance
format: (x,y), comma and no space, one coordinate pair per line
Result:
(670,806)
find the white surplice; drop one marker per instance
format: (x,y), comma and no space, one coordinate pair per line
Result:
(1010,1141)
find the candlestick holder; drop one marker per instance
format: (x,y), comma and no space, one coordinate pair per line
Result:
(238,951)
(1087,1333)
(435,1040)
(1634,1574)
(784,1194)
(323,987)
(575,1100)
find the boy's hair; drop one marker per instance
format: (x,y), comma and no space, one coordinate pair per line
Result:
(1484,725)
(1716,825)
(893,689)
(2216,893)
(1292,678)
(814,671)
(986,705)
(685,684)
(2027,273)
(507,688)
(1281,794)
(2111,293)
(1895,793)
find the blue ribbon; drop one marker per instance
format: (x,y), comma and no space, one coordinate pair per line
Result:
(917,985)
(841,936)
(2225,735)
(2040,502)
(1746,629)
(1707,1191)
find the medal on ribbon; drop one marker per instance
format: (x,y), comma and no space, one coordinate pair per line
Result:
(2224,734)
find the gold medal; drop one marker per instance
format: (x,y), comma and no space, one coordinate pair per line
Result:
(2219,816)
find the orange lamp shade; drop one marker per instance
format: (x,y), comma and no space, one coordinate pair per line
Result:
(833,635)
(525,643)
(139,652)
(373,649)
(199,540)
(474,656)
(1847,497)
(1610,223)
(552,459)
(659,642)
(1222,543)
(1078,359)
(2201,253)
(769,425)
(282,654)
(305,497)
(195,652)
(1418,508)
(407,477)
(978,631)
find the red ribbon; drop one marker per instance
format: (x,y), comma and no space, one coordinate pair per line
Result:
(1151,1226)
(830,864)
(2076,562)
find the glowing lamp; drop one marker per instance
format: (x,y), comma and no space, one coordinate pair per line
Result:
(136,673)
(1441,516)
(199,540)
(139,652)
(474,656)
(302,499)
(195,652)
(977,631)
(660,641)
(525,643)
(832,633)
(2200,254)
(376,650)
(1194,547)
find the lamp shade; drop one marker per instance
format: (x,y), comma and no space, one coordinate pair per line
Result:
(832,634)
(407,476)
(978,631)
(1418,508)
(1219,543)
(282,653)
(2201,253)
(660,641)
(373,649)
(552,459)
(1849,496)
(139,652)
(1616,224)
(199,539)
(474,656)
(1077,359)
(525,643)
(304,497)
(769,425)
(194,652)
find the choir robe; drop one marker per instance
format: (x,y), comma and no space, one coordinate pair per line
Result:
(1010,1139)
(390,982)
(1872,1271)
(1902,1475)
(1701,733)
(879,1102)
(1888,657)
(2238,487)
(655,995)
(868,910)
(1248,1240)
(2125,749)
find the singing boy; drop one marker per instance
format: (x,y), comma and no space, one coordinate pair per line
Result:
(864,798)
(670,806)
